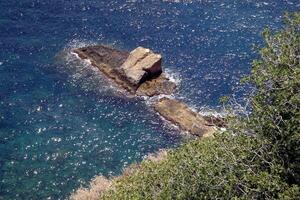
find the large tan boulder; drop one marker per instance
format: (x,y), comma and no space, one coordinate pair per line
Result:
(141,65)
(134,57)
(180,114)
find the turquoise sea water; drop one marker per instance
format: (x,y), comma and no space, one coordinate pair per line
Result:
(61,121)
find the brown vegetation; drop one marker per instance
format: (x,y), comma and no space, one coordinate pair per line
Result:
(97,186)
(100,184)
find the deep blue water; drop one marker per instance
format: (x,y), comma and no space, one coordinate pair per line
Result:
(61,123)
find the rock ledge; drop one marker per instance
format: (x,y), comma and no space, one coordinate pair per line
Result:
(181,115)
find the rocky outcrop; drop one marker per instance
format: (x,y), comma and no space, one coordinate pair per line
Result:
(139,72)
(216,121)
(181,115)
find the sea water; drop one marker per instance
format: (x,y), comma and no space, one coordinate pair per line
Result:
(62,122)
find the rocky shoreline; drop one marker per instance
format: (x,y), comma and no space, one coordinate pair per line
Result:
(140,72)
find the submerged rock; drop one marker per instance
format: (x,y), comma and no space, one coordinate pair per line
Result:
(181,115)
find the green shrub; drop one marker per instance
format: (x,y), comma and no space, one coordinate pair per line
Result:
(275,112)
(225,167)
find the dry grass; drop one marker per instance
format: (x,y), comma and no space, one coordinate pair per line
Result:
(97,186)
(100,184)
(158,156)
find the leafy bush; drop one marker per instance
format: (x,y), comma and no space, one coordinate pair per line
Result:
(222,167)
(275,112)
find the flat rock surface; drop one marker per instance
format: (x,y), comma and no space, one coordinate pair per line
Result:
(108,60)
(181,115)
(103,54)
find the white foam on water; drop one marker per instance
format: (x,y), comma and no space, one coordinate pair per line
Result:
(207,111)
(173,76)
(76,43)
(178,1)
(87,61)
(151,100)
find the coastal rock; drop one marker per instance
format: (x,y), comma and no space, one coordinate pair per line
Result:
(141,65)
(156,86)
(180,114)
(96,188)
(139,71)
